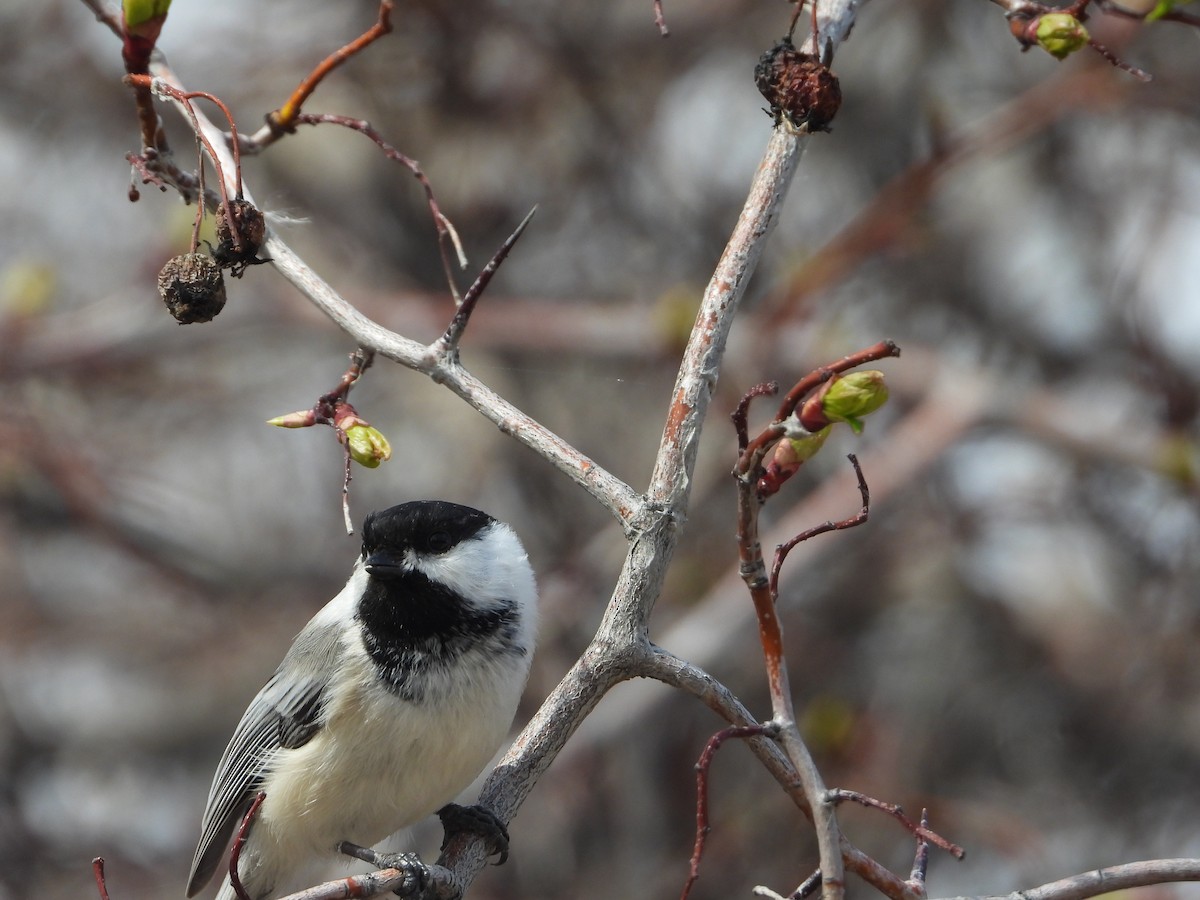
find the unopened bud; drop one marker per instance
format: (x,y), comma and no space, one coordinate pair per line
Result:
(138,12)
(1061,34)
(302,418)
(845,399)
(787,458)
(368,447)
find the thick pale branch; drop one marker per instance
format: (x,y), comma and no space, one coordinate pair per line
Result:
(1106,880)
(697,378)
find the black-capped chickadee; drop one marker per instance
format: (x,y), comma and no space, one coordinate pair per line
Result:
(389,702)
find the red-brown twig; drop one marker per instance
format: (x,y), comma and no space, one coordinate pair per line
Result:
(660,20)
(815,379)
(98,874)
(1139,74)
(137,47)
(234,142)
(447,234)
(159,168)
(703,764)
(161,87)
(917,830)
(458,325)
(235,853)
(853,521)
(741,414)
(763,595)
(327,412)
(284,118)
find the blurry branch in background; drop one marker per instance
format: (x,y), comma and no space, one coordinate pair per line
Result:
(651,519)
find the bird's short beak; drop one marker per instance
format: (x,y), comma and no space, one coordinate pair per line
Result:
(383,564)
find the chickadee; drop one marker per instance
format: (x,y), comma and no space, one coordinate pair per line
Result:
(389,702)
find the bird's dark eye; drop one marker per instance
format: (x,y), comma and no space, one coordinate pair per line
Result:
(440,542)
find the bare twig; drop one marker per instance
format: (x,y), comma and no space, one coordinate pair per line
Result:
(454,332)
(283,119)
(98,874)
(920,865)
(184,98)
(702,768)
(1106,880)
(235,852)
(764,594)
(782,551)
(109,16)
(742,412)
(448,238)
(917,830)
(660,20)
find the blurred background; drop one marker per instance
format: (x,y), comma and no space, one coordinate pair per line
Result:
(1010,641)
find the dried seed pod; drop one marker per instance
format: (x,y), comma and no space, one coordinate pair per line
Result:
(240,232)
(193,288)
(799,87)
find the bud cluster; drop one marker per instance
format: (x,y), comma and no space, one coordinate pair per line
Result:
(365,443)
(846,399)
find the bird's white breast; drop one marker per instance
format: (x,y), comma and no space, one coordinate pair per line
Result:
(381,763)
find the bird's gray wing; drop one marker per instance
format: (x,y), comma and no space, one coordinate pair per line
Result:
(285,714)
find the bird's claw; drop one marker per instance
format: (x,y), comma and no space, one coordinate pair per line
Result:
(416,873)
(478,820)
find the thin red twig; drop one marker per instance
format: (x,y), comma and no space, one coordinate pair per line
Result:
(919,831)
(741,414)
(163,87)
(1139,74)
(326,412)
(853,521)
(703,764)
(235,854)
(447,234)
(234,144)
(660,20)
(815,379)
(98,873)
(284,118)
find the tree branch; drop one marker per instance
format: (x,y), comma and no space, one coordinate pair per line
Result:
(1106,880)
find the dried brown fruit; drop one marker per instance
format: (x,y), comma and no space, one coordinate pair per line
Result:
(800,88)
(240,232)
(193,288)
